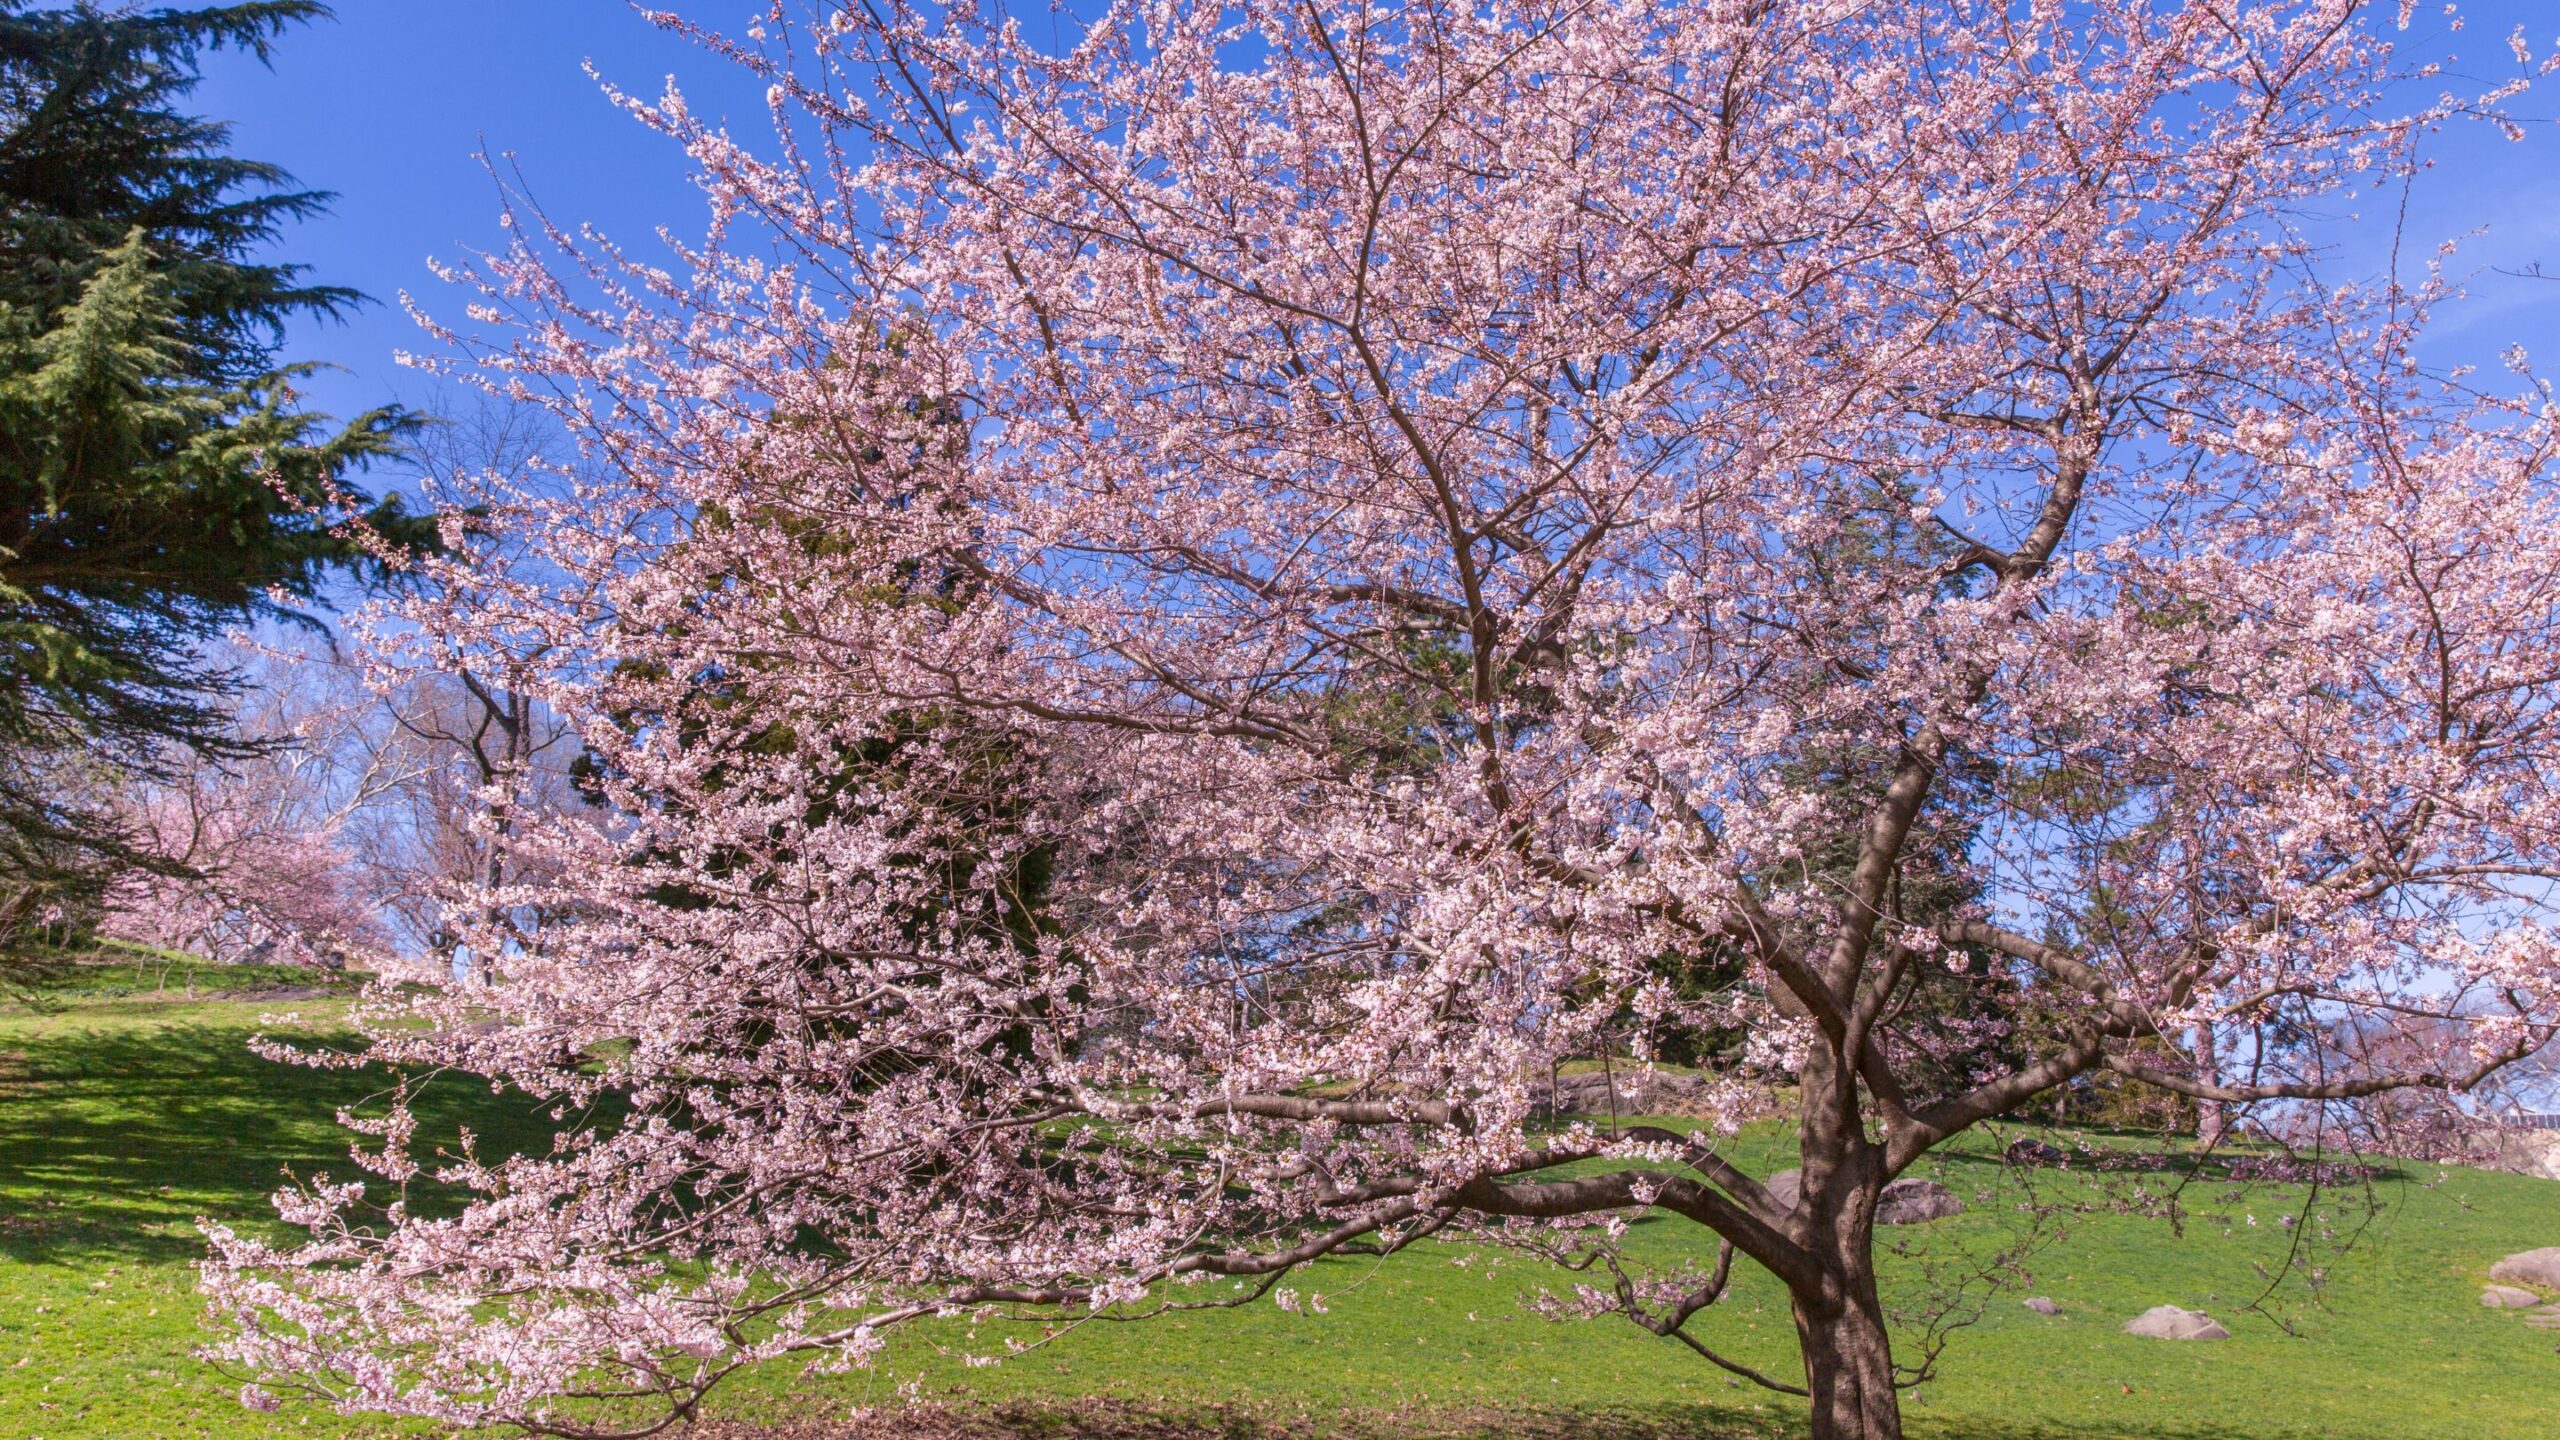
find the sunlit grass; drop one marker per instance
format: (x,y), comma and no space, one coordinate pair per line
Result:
(128,1110)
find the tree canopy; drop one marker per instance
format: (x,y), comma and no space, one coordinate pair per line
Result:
(160,478)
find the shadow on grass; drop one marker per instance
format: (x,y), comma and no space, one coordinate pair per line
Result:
(1119,1420)
(114,1141)
(2137,1153)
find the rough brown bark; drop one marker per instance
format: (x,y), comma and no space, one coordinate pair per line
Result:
(1848,1362)
(2212,1122)
(1848,1357)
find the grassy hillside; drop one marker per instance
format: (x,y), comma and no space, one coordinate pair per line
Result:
(130,1106)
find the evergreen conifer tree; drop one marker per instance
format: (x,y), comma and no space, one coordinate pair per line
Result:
(160,480)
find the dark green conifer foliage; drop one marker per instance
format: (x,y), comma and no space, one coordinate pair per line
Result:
(160,481)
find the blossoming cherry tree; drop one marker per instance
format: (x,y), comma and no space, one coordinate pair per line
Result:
(1183,603)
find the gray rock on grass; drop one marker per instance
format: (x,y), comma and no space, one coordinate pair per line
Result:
(2529,1152)
(1635,1091)
(2538,1268)
(2508,1297)
(1916,1202)
(1904,1202)
(2028,1150)
(2042,1306)
(2168,1322)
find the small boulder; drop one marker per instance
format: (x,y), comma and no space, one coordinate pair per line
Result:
(1634,1091)
(1904,1202)
(1916,1202)
(2508,1297)
(2027,1150)
(2538,1268)
(2168,1322)
(2042,1306)
(2529,1152)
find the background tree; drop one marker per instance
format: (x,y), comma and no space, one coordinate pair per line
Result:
(1531,373)
(159,480)
(259,852)
(486,749)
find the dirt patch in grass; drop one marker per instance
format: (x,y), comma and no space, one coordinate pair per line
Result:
(18,1078)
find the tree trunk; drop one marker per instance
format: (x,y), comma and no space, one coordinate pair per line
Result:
(508,713)
(1848,1359)
(2212,1123)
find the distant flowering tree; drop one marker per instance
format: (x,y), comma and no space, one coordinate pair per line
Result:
(1457,505)
(252,857)
(251,892)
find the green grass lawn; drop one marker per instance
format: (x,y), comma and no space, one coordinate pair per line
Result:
(129,1107)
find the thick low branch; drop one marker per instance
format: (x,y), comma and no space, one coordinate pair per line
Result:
(1933,1124)
(1631,1189)
(1753,1196)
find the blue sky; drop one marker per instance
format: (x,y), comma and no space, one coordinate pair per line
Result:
(390,104)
